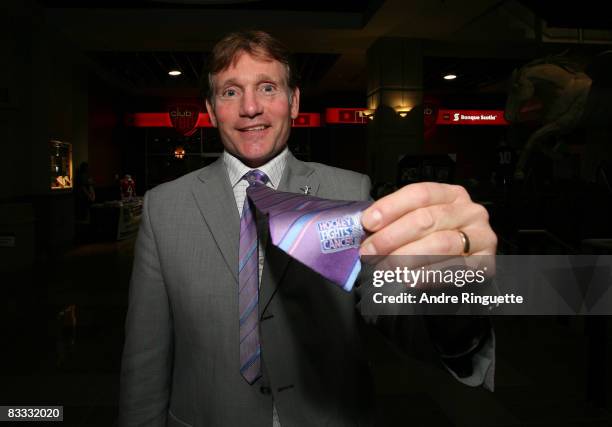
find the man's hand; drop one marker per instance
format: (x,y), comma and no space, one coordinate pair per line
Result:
(425,219)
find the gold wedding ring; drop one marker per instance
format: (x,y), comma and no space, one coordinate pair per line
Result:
(466,242)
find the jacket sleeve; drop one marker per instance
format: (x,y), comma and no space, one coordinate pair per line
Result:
(148,350)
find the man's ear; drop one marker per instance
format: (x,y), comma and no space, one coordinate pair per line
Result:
(295,102)
(211,113)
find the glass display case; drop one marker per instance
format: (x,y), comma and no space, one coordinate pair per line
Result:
(60,155)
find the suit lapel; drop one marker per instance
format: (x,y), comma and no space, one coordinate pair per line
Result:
(296,176)
(215,200)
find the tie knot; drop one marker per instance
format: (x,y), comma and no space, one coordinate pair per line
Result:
(256,177)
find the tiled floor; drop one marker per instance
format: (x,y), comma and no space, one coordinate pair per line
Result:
(542,365)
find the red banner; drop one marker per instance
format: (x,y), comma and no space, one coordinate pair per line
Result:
(346,116)
(307,120)
(156,120)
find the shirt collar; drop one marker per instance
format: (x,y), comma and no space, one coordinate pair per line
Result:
(273,169)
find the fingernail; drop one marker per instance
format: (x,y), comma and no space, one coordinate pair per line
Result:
(367,249)
(371,219)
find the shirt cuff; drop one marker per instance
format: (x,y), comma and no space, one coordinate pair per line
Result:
(481,361)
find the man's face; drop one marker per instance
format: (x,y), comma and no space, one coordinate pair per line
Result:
(252,108)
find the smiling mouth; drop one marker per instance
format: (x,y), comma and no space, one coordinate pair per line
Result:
(257,128)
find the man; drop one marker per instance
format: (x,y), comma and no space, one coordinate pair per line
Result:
(181,362)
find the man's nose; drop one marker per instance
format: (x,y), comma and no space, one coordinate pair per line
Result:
(250,105)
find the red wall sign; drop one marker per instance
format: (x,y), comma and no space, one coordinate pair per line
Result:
(307,120)
(161,120)
(184,118)
(156,120)
(337,116)
(345,116)
(471,117)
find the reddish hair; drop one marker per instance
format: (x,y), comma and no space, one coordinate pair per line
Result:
(258,44)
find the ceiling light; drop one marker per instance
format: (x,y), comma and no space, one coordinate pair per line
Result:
(450,77)
(402,110)
(175,73)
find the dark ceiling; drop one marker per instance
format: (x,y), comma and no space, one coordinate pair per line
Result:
(364,7)
(142,70)
(143,39)
(573,14)
(473,74)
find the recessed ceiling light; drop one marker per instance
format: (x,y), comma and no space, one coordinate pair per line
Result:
(175,72)
(450,77)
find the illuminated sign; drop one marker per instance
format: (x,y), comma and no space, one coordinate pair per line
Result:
(184,118)
(307,120)
(471,117)
(346,116)
(359,116)
(163,120)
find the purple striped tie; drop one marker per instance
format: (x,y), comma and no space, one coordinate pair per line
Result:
(248,280)
(322,234)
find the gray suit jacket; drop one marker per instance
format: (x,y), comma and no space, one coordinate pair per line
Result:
(181,357)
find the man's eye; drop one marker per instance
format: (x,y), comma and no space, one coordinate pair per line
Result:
(228,93)
(268,88)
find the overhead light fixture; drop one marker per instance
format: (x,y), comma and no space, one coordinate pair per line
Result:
(175,73)
(450,77)
(402,110)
